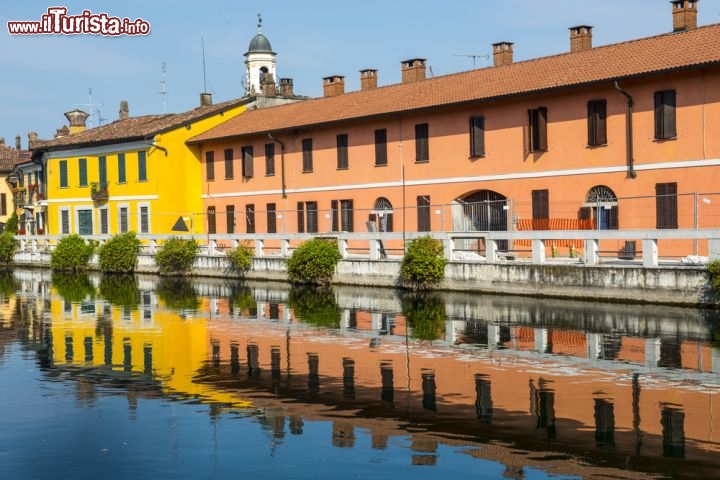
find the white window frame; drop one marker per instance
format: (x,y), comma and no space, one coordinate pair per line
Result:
(99,223)
(139,217)
(119,217)
(60,220)
(76,217)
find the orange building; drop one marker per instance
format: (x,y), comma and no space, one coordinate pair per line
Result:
(622,136)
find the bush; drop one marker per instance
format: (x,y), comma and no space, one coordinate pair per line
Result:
(11,225)
(120,290)
(178,294)
(425,314)
(72,254)
(74,288)
(714,269)
(315,306)
(176,256)
(240,259)
(423,265)
(313,262)
(8,245)
(119,254)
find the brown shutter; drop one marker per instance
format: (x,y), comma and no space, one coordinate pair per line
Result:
(301,217)
(614,222)
(477,136)
(601,122)
(247,167)
(542,129)
(335,215)
(669,114)
(658,115)
(381,147)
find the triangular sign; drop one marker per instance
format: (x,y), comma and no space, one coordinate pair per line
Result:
(180,226)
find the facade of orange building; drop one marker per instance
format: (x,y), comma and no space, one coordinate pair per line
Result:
(623,136)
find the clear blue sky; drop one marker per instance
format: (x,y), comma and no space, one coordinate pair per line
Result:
(43,76)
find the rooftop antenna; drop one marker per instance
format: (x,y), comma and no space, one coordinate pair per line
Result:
(163,87)
(259,22)
(202,40)
(101,119)
(91,106)
(474,57)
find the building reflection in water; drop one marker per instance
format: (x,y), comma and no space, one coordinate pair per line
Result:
(599,377)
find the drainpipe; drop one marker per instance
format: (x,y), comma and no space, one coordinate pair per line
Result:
(282,162)
(152,143)
(629,131)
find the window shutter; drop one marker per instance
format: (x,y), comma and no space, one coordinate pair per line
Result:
(601,119)
(614,222)
(381,147)
(342,151)
(658,115)
(209,165)
(669,114)
(389,222)
(542,129)
(477,136)
(592,138)
(335,215)
(230,218)
(247,153)
(269,159)
(422,151)
(307,154)
(301,217)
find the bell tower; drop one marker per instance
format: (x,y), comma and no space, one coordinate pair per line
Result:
(260,75)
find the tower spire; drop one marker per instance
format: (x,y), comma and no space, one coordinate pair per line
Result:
(259,22)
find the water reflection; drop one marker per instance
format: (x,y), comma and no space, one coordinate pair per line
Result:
(565,387)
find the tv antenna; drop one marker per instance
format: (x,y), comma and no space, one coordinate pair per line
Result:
(474,57)
(163,87)
(202,41)
(91,106)
(101,119)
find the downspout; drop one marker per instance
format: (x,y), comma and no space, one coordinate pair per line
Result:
(282,162)
(629,131)
(152,143)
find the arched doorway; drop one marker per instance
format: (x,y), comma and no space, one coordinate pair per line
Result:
(382,215)
(601,206)
(484,210)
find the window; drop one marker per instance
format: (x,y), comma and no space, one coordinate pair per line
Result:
(63,174)
(477,137)
(540,209)
(307,155)
(665,115)
(102,169)
(382,215)
(82,172)
(211,220)
(422,147)
(230,218)
(597,122)
(3,204)
(64,221)
(307,217)
(247,162)
(538,129)
(381,157)
(85,223)
(142,167)
(269,159)
(342,151)
(666,205)
(271,218)
(229,164)
(210,166)
(342,215)
(123,219)
(121,168)
(423,213)
(104,221)
(144,219)
(250,218)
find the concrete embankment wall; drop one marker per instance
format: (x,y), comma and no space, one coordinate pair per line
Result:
(676,285)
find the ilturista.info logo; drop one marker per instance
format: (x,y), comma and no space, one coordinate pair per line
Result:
(57,22)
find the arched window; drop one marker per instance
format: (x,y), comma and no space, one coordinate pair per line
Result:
(601,207)
(382,215)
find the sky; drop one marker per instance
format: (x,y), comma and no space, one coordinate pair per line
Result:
(44,76)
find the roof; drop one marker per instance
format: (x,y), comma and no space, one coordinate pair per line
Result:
(135,128)
(652,55)
(9,157)
(259,44)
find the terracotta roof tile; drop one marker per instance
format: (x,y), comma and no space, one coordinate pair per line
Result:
(662,53)
(9,157)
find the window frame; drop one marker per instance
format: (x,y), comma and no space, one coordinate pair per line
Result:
(122,172)
(271,213)
(537,129)
(82,172)
(210,166)
(140,216)
(63,166)
(269,159)
(307,155)
(381,150)
(211,219)
(597,122)
(666,206)
(230,219)
(64,225)
(125,217)
(102,170)
(424,217)
(341,142)
(422,143)
(142,166)
(248,160)
(250,226)
(477,136)
(229,166)
(665,113)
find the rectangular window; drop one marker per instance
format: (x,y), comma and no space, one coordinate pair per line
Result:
(210,166)
(269,159)
(312,217)
(665,115)
(247,162)
(381,157)
(250,218)
(65,222)
(230,218)
(121,168)
(142,167)
(477,136)
(85,223)
(423,213)
(422,142)
(144,219)
(666,205)
(597,122)
(3,204)
(63,174)
(102,169)
(307,146)
(342,151)
(123,220)
(82,172)
(301,217)
(104,221)
(537,119)
(271,218)
(540,209)
(211,220)
(346,215)
(229,173)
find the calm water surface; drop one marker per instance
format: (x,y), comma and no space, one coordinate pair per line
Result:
(140,378)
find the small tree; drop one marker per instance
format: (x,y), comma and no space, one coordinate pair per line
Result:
(177,256)
(240,259)
(313,262)
(120,253)
(8,244)
(11,225)
(423,266)
(72,254)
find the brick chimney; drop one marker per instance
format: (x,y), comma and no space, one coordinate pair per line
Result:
(267,85)
(334,85)
(32,140)
(684,15)
(77,120)
(18,142)
(124,111)
(502,53)
(413,70)
(368,79)
(286,87)
(205,99)
(580,38)
(61,132)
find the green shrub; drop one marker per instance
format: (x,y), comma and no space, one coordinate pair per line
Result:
(241,296)
(73,287)
(8,244)
(176,256)
(8,284)
(425,314)
(11,226)
(315,306)
(119,254)
(423,266)
(120,290)
(714,269)
(72,254)
(178,294)
(240,259)
(313,262)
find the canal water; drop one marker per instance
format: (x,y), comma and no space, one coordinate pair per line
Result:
(140,377)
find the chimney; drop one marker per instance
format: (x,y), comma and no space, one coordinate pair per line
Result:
(77,120)
(205,99)
(413,70)
(502,53)
(124,111)
(61,132)
(286,87)
(18,145)
(368,79)
(580,38)
(684,15)
(32,139)
(334,85)
(267,84)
